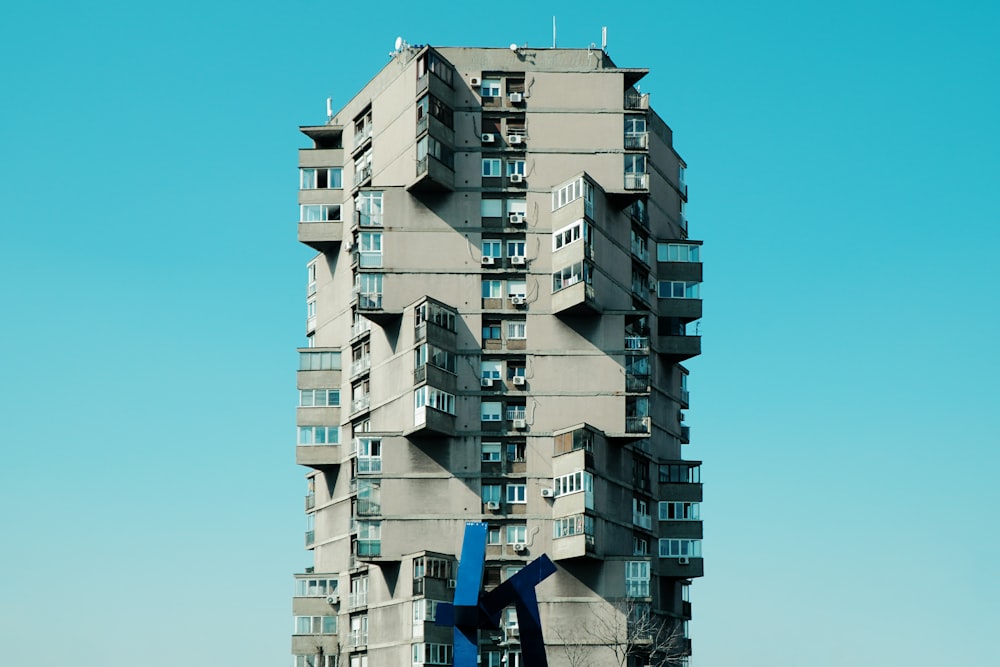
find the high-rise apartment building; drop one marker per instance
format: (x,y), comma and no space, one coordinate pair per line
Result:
(502,296)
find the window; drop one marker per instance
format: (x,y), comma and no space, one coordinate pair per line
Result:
(673,548)
(491,331)
(680,473)
(679,511)
(573,525)
(490,370)
(491,169)
(430,146)
(637,578)
(359,631)
(490,411)
(570,233)
(640,513)
(369,287)
(515,452)
(575,482)
(517,494)
(315,625)
(311,588)
(319,213)
(516,288)
(492,289)
(369,454)
(518,206)
(369,542)
(491,208)
(319,398)
(432,397)
(635,163)
(425,610)
(432,654)
(311,278)
(311,310)
(359,591)
(517,534)
(435,314)
(493,535)
(320,179)
(510,570)
(517,411)
(635,124)
(678,289)
(515,248)
(319,361)
(492,659)
(491,452)
(428,566)
(571,275)
(571,192)
(489,88)
(517,330)
(315,660)
(370,250)
(370,209)
(491,493)
(492,248)
(319,435)
(678,252)
(431,354)
(515,167)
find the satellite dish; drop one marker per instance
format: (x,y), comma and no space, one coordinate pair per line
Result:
(399,43)
(513,47)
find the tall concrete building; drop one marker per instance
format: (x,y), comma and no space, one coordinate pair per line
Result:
(501,299)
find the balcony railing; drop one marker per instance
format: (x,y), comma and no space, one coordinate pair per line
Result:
(636,342)
(369,219)
(636,181)
(634,100)
(636,383)
(310,501)
(641,250)
(421,124)
(642,520)
(361,365)
(357,599)
(370,300)
(360,327)
(638,141)
(369,507)
(360,403)
(422,166)
(362,175)
(637,424)
(370,260)
(515,413)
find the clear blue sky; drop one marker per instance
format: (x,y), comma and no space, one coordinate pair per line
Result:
(843,168)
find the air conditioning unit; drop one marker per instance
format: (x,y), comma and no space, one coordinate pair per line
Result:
(513,631)
(517,300)
(515,139)
(486,382)
(493,505)
(517,178)
(475,81)
(517,260)
(520,424)
(349,244)
(452,583)
(487,261)
(519,547)
(516,218)
(516,98)
(488,138)
(333,599)
(548,493)
(518,380)
(683,560)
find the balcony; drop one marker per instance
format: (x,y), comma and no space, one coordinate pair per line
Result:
(310,538)
(368,218)
(360,403)
(370,301)
(359,366)
(322,235)
(637,182)
(678,348)
(685,434)
(310,501)
(362,175)
(637,141)
(577,298)
(318,456)
(642,520)
(369,260)
(679,569)
(636,384)
(635,101)
(637,343)
(640,250)
(360,327)
(637,425)
(516,414)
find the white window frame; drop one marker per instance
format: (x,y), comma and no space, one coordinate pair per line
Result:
(492,167)
(490,88)
(492,289)
(516,248)
(516,167)
(492,248)
(517,288)
(318,435)
(491,452)
(490,369)
(319,398)
(637,577)
(517,330)
(516,533)
(516,494)
(491,411)
(320,213)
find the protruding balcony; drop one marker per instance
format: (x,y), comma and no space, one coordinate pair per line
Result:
(318,456)
(637,426)
(682,568)
(635,101)
(678,348)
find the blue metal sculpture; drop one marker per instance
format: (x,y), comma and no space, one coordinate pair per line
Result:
(474,610)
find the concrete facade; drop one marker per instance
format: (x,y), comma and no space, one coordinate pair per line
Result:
(497,316)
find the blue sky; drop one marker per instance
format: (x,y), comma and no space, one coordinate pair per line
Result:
(842,166)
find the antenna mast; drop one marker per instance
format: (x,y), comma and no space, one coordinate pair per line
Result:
(553,32)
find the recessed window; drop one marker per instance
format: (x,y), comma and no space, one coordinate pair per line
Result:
(637,578)
(489,88)
(491,493)
(491,168)
(517,330)
(492,289)
(515,248)
(515,167)
(517,534)
(491,331)
(492,248)
(490,370)
(320,179)
(319,213)
(516,288)
(490,411)
(517,494)
(491,452)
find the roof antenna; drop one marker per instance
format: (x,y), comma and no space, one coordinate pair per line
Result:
(553,32)
(329,109)
(604,39)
